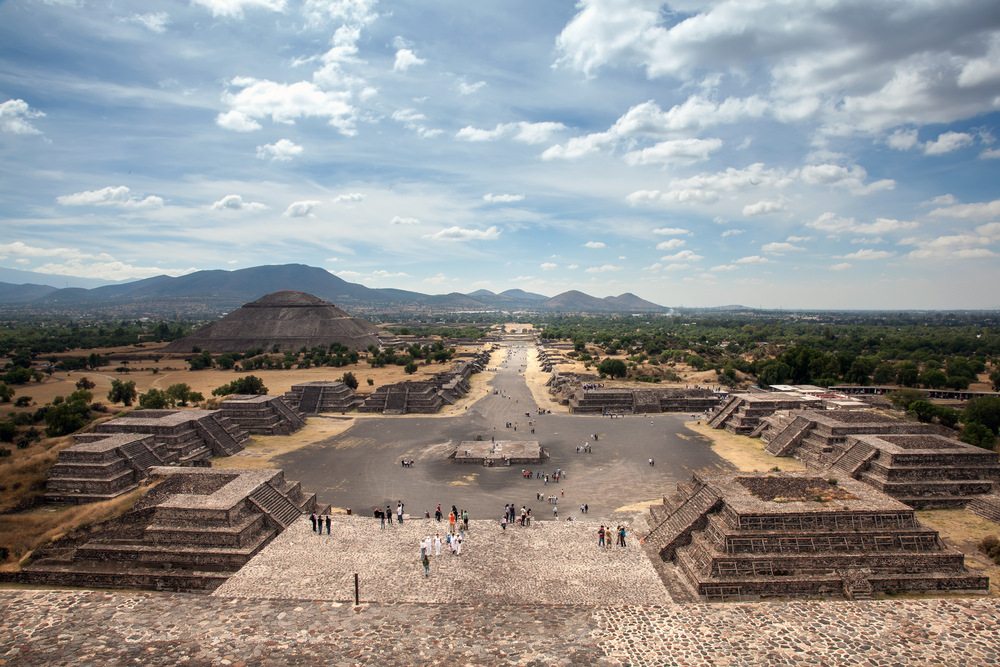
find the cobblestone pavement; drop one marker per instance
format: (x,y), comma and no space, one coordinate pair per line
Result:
(103,628)
(549,562)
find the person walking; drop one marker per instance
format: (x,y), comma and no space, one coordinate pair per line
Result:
(437,544)
(388,515)
(399,512)
(621,534)
(555,512)
(503,522)
(427,565)
(381,515)
(465,520)
(458,545)
(451,522)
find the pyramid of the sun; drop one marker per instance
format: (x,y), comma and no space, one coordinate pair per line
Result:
(287,319)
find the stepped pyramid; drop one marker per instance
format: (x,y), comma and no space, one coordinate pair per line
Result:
(290,320)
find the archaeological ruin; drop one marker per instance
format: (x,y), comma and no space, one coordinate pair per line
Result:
(498,453)
(568,388)
(262,415)
(746,536)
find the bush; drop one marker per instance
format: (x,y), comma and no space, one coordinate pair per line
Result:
(349,379)
(410,368)
(613,367)
(66,418)
(902,398)
(85,384)
(154,399)
(8,431)
(990,545)
(250,384)
(978,435)
(22,402)
(4,452)
(370,382)
(122,392)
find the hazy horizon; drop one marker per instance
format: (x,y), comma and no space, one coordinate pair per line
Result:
(831,156)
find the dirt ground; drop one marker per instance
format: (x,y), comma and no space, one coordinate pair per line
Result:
(746,454)
(963,530)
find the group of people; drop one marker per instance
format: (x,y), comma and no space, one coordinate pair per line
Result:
(317,523)
(510,515)
(585,449)
(593,385)
(604,536)
(454,543)
(386,514)
(454,518)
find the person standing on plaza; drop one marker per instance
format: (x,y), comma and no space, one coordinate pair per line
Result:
(399,511)
(458,545)
(313,520)
(600,536)
(327,524)
(427,565)
(451,522)
(621,534)
(465,519)
(388,515)
(503,522)
(437,544)
(555,512)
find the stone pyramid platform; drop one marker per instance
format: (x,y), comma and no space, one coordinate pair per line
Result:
(262,415)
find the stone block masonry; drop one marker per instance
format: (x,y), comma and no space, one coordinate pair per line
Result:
(262,415)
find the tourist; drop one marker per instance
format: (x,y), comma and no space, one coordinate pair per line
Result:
(555,512)
(503,522)
(451,522)
(528,517)
(319,525)
(600,536)
(458,545)
(313,520)
(586,508)
(437,544)
(465,519)
(327,524)
(427,565)
(380,515)
(399,512)
(423,547)
(388,515)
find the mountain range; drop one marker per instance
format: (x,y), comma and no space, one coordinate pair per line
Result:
(218,290)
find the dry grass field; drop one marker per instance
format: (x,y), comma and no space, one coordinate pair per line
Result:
(746,454)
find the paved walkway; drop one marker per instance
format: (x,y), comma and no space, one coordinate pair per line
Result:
(99,628)
(550,562)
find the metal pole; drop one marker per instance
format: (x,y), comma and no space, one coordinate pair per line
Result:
(357,599)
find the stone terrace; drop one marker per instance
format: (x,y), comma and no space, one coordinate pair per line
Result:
(549,562)
(85,627)
(635,401)
(317,397)
(95,470)
(501,452)
(742,413)
(186,435)
(262,415)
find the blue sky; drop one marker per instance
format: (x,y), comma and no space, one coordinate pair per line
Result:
(834,154)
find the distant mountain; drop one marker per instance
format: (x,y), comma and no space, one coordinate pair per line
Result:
(521,294)
(18,277)
(217,291)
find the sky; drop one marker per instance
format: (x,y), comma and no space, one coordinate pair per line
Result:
(769,153)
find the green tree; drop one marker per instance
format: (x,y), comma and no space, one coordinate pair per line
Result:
(251,384)
(6,393)
(22,402)
(349,379)
(614,368)
(85,383)
(923,411)
(983,410)
(884,374)
(978,435)
(903,398)
(907,374)
(410,368)
(122,392)
(81,395)
(958,382)
(933,379)
(154,399)
(995,379)
(67,418)
(203,360)
(178,393)
(8,431)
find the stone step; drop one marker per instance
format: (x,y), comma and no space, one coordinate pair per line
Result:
(277,506)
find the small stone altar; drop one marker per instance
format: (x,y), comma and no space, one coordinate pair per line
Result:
(498,453)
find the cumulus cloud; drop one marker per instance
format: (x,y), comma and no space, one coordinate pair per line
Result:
(780,248)
(648,121)
(867,254)
(989,154)
(852,179)
(978,211)
(110,196)
(594,244)
(725,267)
(282,150)
(948,142)
(732,232)
(573,266)
(671,231)
(301,209)
(763,207)
(957,246)
(154,22)
(350,198)
(469,88)
(549,266)
(236,203)
(672,244)
(843,266)
(458,234)
(75,262)
(355,12)
(677,151)
(676,267)
(524,132)
(260,98)
(15,117)
(397,220)
(829,222)
(603,269)
(501,199)
(708,188)
(753,259)
(941,200)
(902,140)
(411,120)
(405,59)
(682,256)
(234,8)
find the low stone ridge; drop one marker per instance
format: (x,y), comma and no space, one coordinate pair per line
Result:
(500,452)
(757,535)
(191,532)
(114,459)
(569,390)
(911,462)
(287,319)
(262,415)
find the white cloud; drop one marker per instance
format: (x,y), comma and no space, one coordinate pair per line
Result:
(358,12)
(469,88)
(978,211)
(732,232)
(647,120)
(234,8)
(236,203)
(828,222)
(603,269)
(725,267)
(385,274)
(458,234)
(902,140)
(754,259)
(409,118)
(764,207)
(154,22)
(110,196)
(282,150)
(799,239)
(284,103)
(852,179)
(677,151)
(500,199)
(15,116)
(991,230)
(708,188)
(671,231)
(301,209)
(397,220)
(676,267)
(868,254)
(866,241)
(18,249)
(843,266)
(990,154)
(948,142)
(682,256)
(405,59)
(672,244)
(524,132)
(548,266)
(75,262)
(941,200)
(573,266)
(780,248)
(350,197)
(594,244)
